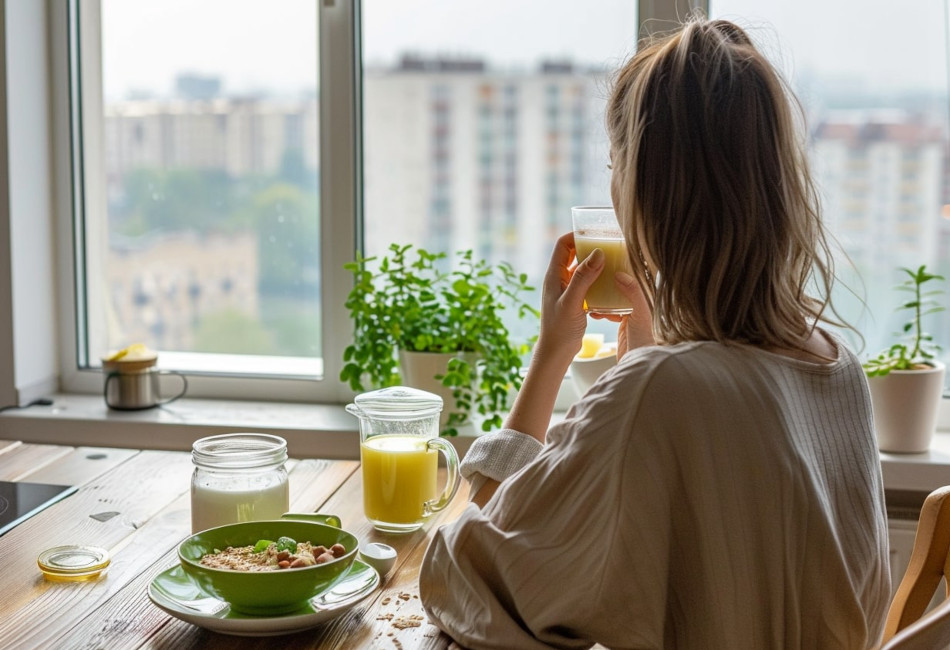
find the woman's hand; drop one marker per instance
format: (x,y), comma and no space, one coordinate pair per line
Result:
(563,319)
(563,322)
(636,328)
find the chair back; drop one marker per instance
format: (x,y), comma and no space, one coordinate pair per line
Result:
(908,627)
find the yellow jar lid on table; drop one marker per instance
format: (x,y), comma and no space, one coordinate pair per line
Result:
(73,562)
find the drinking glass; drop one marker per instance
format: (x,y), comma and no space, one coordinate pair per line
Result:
(597,227)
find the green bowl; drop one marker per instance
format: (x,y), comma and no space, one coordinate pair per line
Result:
(267,593)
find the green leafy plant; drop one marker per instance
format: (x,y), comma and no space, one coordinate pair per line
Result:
(406,301)
(919,348)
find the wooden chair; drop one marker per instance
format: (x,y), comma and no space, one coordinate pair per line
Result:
(907,627)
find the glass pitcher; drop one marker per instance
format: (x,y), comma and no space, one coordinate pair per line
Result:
(399,445)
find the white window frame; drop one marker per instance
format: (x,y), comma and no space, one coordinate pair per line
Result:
(339,209)
(340,202)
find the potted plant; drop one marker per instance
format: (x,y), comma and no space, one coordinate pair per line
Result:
(906,380)
(406,302)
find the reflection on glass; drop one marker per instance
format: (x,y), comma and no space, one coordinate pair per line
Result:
(210,157)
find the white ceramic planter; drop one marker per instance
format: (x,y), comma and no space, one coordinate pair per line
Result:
(419,369)
(905,404)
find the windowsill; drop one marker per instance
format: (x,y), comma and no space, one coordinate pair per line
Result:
(919,472)
(311,431)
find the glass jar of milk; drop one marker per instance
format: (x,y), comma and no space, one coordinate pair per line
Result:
(238,477)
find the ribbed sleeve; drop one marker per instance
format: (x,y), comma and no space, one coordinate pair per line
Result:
(497,456)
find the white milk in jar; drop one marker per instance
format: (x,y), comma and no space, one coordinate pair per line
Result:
(238,477)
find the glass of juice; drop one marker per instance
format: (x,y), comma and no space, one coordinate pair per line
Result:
(597,227)
(399,452)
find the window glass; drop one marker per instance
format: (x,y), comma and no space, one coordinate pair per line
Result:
(200,175)
(483,123)
(874,88)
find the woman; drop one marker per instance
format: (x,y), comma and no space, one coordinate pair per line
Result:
(720,487)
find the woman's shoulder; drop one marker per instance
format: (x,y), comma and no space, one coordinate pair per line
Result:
(689,354)
(834,355)
(669,365)
(685,370)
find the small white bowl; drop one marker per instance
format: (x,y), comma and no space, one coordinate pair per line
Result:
(381,557)
(585,371)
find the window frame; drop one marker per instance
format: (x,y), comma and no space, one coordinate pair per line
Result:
(341,212)
(340,197)
(37,329)
(340,201)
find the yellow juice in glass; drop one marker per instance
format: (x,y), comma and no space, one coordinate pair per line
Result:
(399,476)
(603,296)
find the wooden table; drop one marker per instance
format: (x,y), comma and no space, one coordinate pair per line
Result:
(149,491)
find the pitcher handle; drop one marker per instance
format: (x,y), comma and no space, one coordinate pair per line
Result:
(452,481)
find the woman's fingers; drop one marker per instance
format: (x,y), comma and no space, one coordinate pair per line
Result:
(584,276)
(630,288)
(564,287)
(563,320)
(636,329)
(558,274)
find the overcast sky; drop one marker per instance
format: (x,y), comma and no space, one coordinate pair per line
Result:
(268,44)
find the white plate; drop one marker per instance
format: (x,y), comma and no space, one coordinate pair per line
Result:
(176,593)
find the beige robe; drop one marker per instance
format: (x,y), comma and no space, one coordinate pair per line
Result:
(699,496)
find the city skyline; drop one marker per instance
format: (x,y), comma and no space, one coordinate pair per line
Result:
(493,161)
(881,56)
(497,172)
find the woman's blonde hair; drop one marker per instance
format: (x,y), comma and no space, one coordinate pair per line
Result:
(711,185)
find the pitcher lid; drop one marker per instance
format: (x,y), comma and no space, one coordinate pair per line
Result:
(401,402)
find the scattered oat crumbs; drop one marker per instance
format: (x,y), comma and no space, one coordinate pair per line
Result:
(405,596)
(388,616)
(403,622)
(387,600)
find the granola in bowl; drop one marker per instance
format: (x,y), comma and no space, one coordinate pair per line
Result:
(266,555)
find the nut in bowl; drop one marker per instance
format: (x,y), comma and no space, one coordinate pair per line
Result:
(594,359)
(268,592)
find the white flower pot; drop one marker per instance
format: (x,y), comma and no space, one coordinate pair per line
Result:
(419,369)
(905,404)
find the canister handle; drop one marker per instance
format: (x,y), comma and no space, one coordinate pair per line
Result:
(181,393)
(105,389)
(329,520)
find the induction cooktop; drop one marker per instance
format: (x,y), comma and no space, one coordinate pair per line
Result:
(20,501)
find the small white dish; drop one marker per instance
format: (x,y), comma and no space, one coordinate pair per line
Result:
(381,557)
(176,593)
(585,371)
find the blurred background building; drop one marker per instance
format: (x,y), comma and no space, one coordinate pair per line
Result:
(456,155)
